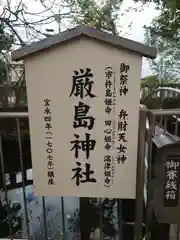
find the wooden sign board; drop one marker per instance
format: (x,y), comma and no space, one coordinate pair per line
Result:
(83,90)
(166,184)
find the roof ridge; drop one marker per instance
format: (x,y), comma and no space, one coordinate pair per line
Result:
(94,33)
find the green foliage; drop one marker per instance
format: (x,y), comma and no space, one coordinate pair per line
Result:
(150,81)
(103,16)
(6,41)
(172,4)
(16,222)
(167,24)
(164,34)
(160,35)
(3,72)
(148,85)
(93,212)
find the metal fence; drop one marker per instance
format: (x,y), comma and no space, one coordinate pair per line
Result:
(152,90)
(169,122)
(22,215)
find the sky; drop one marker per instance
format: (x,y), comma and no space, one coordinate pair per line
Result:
(137,18)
